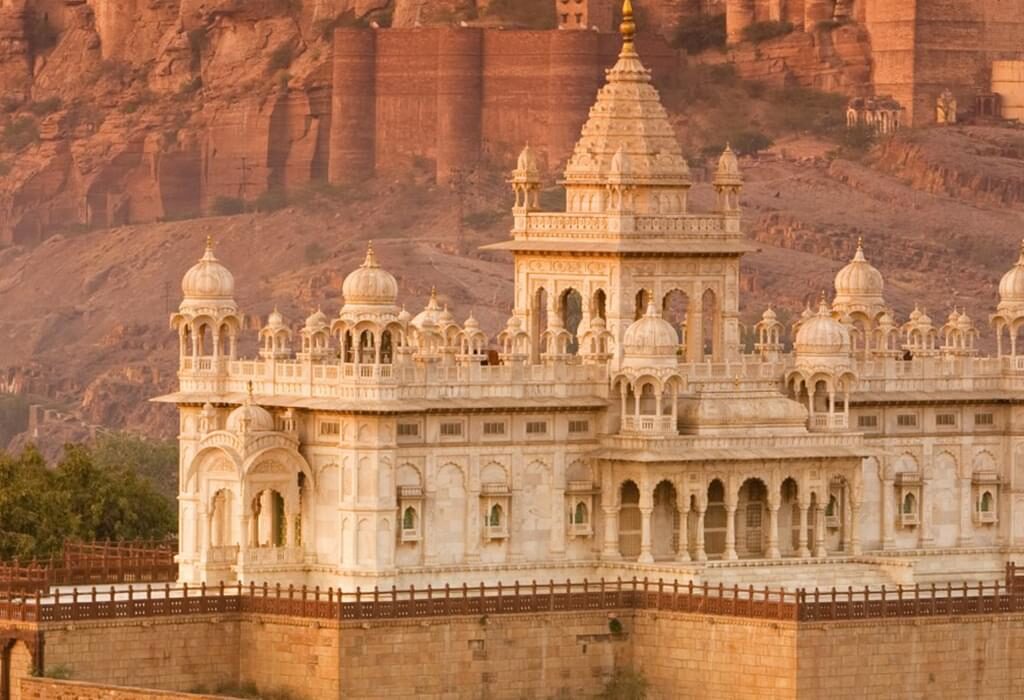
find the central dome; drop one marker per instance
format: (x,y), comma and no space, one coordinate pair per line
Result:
(822,335)
(370,284)
(650,336)
(208,279)
(859,281)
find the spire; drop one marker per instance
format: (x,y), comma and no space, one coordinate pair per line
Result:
(628,26)
(859,256)
(208,253)
(371,257)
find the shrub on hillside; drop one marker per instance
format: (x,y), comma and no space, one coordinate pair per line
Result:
(763,31)
(19,133)
(271,200)
(228,206)
(281,57)
(800,109)
(42,36)
(857,140)
(749,143)
(700,34)
(43,107)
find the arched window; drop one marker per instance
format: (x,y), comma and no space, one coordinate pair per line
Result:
(367,350)
(409,519)
(909,504)
(572,314)
(385,348)
(830,509)
(986,502)
(495,518)
(580,516)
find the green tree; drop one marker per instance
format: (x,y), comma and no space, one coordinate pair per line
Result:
(83,497)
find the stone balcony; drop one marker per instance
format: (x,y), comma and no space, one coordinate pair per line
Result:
(350,381)
(824,422)
(263,556)
(649,426)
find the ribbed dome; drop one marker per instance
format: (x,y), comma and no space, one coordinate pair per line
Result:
(769,315)
(208,279)
(859,281)
(275,320)
(370,284)
(404,316)
(1011,287)
(431,312)
(317,321)
(651,336)
(822,335)
(257,418)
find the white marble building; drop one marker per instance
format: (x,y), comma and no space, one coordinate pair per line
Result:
(616,425)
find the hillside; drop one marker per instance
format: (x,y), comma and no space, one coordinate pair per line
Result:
(109,117)
(89,310)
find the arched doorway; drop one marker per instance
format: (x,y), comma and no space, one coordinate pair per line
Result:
(665,522)
(715,520)
(752,519)
(629,520)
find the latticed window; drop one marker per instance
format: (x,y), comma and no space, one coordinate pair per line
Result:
(409,519)
(909,504)
(580,515)
(495,517)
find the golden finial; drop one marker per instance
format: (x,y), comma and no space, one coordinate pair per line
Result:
(248,387)
(628,26)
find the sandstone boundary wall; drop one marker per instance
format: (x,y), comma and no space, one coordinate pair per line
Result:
(541,655)
(51,689)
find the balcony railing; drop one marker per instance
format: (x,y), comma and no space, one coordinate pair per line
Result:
(272,555)
(649,425)
(827,421)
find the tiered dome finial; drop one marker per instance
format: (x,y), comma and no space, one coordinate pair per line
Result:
(628,26)
(628,115)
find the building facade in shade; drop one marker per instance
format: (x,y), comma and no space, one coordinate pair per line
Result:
(615,425)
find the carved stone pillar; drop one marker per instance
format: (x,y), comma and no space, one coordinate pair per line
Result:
(925,506)
(701,553)
(854,528)
(684,532)
(888,513)
(730,532)
(802,551)
(646,557)
(819,531)
(773,531)
(966,535)
(611,533)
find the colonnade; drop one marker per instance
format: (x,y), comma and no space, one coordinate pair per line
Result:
(752,521)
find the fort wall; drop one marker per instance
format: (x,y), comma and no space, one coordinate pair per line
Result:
(925,47)
(974,656)
(455,95)
(543,654)
(163,653)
